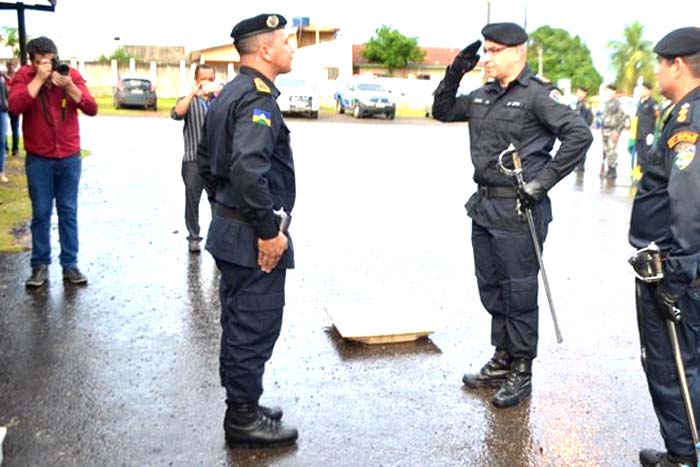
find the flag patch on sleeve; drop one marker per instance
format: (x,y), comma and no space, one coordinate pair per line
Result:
(262,117)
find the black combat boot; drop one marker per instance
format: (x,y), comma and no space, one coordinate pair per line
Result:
(517,386)
(651,458)
(491,375)
(248,426)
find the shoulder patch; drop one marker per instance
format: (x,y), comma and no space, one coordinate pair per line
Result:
(541,79)
(261,86)
(683,155)
(556,96)
(262,117)
(682,137)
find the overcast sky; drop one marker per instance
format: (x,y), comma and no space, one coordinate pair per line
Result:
(87,28)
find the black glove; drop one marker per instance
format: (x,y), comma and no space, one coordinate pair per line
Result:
(464,61)
(666,303)
(531,193)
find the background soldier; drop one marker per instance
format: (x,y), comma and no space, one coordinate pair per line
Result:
(513,107)
(613,122)
(647,110)
(666,211)
(251,179)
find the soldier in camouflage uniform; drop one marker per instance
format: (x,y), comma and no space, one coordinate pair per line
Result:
(613,124)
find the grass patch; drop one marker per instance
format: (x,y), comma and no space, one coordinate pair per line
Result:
(105,107)
(15,207)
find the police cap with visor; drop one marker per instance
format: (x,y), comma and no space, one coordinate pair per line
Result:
(259,24)
(679,43)
(509,34)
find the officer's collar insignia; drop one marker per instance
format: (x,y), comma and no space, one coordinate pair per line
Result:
(683,113)
(261,86)
(682,137)
(683,155)
(272,21)
(262,117)
(556,96)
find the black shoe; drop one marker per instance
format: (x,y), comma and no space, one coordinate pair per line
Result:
(517,386)
(491,375)
(651,458)
(248,426)
(40,273)
(275,413)
(74,276)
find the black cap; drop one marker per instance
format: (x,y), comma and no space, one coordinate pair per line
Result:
(509,34)
(265,22)
(680,42)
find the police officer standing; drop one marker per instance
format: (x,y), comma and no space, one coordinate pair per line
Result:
(513,107)
(666,210)
(246,159)
(647,111)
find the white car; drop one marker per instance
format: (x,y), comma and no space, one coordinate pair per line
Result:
(298,96)
(365,97)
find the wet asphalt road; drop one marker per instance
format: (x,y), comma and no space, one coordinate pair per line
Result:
(125,370)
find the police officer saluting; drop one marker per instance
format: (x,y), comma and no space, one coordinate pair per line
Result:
(513,107)
(666,211)
(246,159)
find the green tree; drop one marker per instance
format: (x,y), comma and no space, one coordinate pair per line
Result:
(10,37)
(392,49)
(119,55)
(563,56)
(632,57)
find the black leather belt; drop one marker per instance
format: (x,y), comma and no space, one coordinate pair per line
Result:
(498,191)
(229,213)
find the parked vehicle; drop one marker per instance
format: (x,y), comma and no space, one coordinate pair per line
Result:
(365,97)
(135,92)
(297,96)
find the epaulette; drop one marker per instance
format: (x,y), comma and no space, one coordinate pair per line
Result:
(541,79)
(261,86)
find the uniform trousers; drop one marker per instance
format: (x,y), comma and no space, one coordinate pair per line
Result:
(506,273)
(660,368)
(251,319)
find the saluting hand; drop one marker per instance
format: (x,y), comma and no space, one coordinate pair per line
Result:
(270,251)
(466,59)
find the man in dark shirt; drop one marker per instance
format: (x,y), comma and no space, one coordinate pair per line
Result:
(647,112)
(192,108)
(666,211)
(49,101)
(513,107)
(246,159)
(584,110)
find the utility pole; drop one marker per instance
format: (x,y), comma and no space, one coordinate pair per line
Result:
(540,52)
(488,11)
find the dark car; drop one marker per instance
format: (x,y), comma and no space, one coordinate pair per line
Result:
(135,92)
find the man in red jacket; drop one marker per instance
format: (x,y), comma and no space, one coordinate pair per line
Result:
(48,95)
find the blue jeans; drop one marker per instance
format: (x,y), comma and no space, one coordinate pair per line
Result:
(50,179)
(3,139)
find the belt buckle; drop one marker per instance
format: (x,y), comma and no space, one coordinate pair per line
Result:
(484,191)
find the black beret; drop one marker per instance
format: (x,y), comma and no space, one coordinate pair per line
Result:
(680,42)
(257,25)
(509,34)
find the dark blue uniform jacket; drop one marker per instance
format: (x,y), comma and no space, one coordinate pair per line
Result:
(666,209)
(246,158)
(528,113)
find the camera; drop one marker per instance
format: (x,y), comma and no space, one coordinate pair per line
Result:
(60,68)
(211,87)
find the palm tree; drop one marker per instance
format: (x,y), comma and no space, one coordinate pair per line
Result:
(632,58)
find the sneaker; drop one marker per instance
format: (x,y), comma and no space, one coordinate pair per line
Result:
(3,178)
(74,276)
(40,273)
(194,246)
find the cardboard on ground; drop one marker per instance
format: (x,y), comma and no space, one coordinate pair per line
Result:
(373,322)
